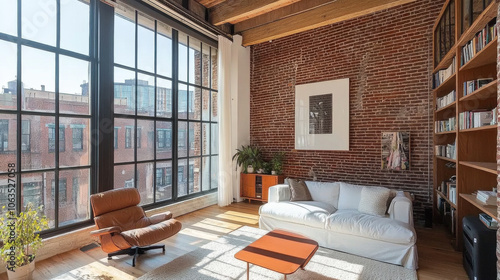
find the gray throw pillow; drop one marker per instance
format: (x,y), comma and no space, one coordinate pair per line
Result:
(299,190)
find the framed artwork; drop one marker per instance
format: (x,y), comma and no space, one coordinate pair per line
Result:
(395,151)
(322,116)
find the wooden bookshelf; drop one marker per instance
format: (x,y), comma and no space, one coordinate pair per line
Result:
(475,166)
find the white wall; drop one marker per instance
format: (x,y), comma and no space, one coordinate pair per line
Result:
(240,103)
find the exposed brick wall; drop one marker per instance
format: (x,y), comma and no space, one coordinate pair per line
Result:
(387,57)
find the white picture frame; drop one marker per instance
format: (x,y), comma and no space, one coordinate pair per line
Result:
(322,116)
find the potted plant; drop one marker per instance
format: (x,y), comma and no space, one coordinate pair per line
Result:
(277,163)
(21,240)
(249,158)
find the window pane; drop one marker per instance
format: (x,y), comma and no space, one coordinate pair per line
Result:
(74,90)
(183,56)
(145,181)
(8,74)
(163,140)
(8,141)
(37,189)
(8,17)
(124,88)
(75,15)
(214,68)
(194,61)
(77,133)
(126,144)
(194,175)
(164,50)
(205,65)
(145,95)
(214,171)
(194,139)
(146,44)
(42,150)
(74,207)
(214,106)
(205,173)
(163,180)
(182,177)
(205,140)
(215,139)
(182,136)
(182,101)
(124,176)
(39,21)
(124,33)
(146,149)
(38,69)
(5,186)
(205,103)
(194,103)
(163,98)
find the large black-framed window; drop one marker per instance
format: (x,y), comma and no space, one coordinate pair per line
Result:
(54,100)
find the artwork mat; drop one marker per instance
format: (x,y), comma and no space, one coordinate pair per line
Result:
(338,140)
(406,143)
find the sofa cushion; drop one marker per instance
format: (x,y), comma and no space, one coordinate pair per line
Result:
(349,196)
(380,228)
(325,192)
(310,213)
(298,190)
(374,200)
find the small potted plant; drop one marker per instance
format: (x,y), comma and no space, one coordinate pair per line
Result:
(249,158)
(21,240)
(277,163)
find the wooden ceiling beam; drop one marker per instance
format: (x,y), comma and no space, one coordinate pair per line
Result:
(338,11)
(278,14)
(210,3)
(234,11)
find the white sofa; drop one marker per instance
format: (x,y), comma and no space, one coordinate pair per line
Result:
(333,220)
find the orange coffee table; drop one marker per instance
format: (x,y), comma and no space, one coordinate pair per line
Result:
(279,251)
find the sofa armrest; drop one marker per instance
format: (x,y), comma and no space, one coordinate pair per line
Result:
(108,230)
(279,193)
(401,208)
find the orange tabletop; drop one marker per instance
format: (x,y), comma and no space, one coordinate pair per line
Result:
(280,251)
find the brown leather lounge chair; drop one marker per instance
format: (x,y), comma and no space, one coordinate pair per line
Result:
(123,227)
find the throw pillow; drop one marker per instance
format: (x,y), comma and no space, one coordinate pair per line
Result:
(349,196)
(374,200)
(298,190)
(327,192)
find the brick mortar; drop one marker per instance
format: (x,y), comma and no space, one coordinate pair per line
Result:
(387,57)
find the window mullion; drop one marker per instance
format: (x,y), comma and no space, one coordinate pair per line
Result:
(175,116)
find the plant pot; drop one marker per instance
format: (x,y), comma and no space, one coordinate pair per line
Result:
(249,169)
(24,272)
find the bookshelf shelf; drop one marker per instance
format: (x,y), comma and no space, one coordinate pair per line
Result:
(474,148)
(446,198)
(486,127)
(447,159)
(488,91)
(490,167)
(491,210)
(484,57)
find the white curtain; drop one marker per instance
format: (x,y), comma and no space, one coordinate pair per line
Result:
(225,192)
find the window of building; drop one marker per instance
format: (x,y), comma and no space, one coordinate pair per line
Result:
(4,135)
(116,138)
(77,139)
(63,191)
(128,138)
(139,136)
(75,188)
(25,135)
(52,138)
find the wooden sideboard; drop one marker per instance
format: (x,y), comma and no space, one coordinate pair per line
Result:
(255,186)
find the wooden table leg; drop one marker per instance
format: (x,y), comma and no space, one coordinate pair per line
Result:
(248,271)
(285,276)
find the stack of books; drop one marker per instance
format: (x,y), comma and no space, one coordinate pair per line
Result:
(446,125)
(452,194)
(487,197)
(478,118)
(482,38)
(471,86)
(488,221)
(442,75)
(446,100)
(447,151)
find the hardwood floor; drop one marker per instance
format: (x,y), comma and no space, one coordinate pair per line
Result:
(437,259)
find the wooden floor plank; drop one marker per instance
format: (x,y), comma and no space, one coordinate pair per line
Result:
(437,259)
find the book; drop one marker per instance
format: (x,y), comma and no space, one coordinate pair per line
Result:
(488,221)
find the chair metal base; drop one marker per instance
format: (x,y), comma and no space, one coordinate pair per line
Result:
(135,251)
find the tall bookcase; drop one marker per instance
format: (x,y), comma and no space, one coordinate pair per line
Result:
(467,153)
